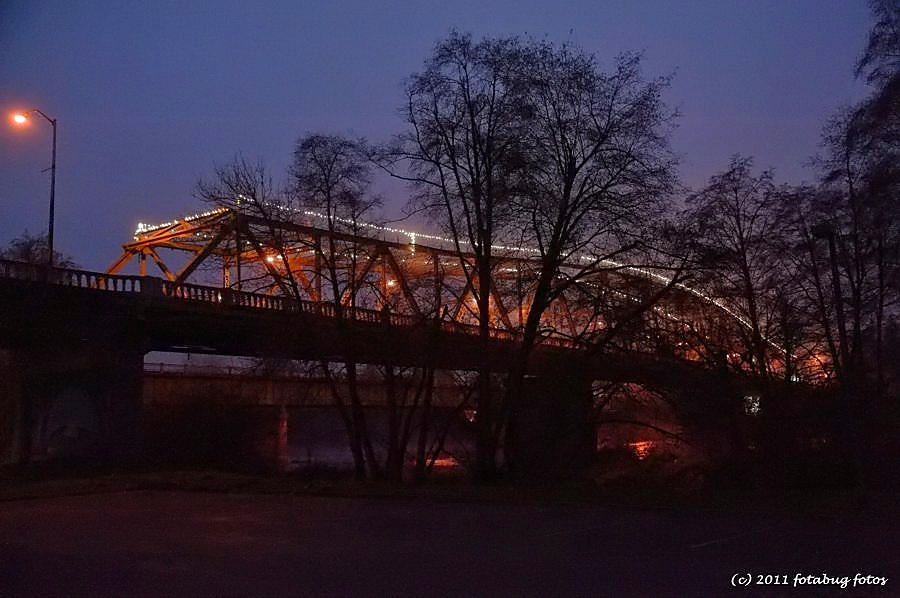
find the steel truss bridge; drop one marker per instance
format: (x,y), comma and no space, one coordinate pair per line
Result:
(372,273)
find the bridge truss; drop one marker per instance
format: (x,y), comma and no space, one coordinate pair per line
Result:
(311,258)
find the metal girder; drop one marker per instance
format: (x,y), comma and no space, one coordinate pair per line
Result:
(570,320)
(358,278)
(162,266)
(279,279)
(123,260)
(203,254)
(178,229)
(401,278)
(461,301)
(498,303)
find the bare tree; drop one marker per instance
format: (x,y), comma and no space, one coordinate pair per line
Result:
(596,171)
(462,142)
(518,143)
(261,208)
(326,176)
(880,62)
(33,249)
(330,174)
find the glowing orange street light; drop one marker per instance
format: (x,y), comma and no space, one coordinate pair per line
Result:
(20,119)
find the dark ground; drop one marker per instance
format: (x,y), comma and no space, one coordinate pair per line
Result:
(157,542)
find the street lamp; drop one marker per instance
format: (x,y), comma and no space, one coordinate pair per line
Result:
(20,119)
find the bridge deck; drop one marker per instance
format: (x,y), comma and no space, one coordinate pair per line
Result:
(65,307)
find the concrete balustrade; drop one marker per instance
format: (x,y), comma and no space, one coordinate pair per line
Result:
(156,287)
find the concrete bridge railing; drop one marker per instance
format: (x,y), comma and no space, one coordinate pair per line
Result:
(157,287)
(70,277)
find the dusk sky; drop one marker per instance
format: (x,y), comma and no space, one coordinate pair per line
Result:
(151,95)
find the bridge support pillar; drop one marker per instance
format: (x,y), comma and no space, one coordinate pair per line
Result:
(555,433)
(269,437)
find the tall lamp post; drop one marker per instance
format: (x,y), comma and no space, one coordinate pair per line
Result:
(20,119)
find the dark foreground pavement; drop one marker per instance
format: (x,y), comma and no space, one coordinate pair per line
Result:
(198,544)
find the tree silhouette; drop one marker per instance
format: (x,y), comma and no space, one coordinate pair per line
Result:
(33,249)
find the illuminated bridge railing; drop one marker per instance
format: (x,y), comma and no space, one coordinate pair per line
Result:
(157,287)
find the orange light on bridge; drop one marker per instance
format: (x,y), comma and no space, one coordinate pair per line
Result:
(19,118)
(642,448)
(391,283)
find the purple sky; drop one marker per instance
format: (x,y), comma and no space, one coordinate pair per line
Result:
(151,95)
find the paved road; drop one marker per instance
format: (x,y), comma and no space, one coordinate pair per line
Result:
(180,543)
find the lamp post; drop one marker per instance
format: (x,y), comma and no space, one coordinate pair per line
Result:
(22,118)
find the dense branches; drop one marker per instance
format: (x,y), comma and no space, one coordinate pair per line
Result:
(33,250)
(737,250)
(516,143)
